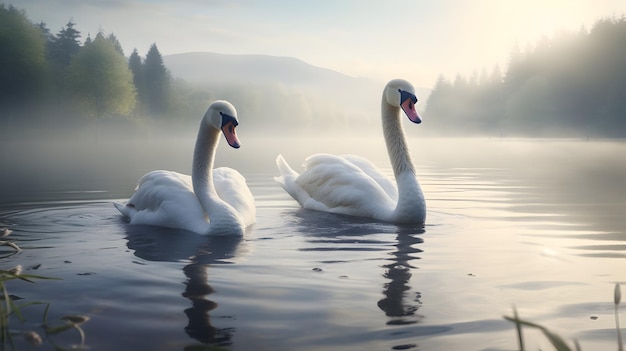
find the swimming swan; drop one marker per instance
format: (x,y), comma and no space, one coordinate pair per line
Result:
(211,201)
(352,185)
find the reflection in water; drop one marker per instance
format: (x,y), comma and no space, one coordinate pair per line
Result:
(159,244)
(199,326)
(399,273)
(348,233)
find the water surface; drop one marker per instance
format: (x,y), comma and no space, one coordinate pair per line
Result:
(536,224)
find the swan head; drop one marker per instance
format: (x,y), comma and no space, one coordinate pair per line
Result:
(222,115)
(400,93)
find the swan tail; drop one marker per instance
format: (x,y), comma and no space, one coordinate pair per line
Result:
(288,179)
(125,210)
(285,171)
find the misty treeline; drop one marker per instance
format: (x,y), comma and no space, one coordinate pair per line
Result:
(573,84)
(48,78)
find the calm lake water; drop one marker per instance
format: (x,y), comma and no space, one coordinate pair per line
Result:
(535,224)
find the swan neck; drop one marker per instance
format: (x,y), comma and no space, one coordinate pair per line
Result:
(222,217)
(410,206)
(203,159)
(395,140)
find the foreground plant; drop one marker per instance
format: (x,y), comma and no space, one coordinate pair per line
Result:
(4,232)
(617,298)
(558,342)
(9,308)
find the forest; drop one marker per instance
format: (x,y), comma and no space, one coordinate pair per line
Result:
(572,84)
(52,80)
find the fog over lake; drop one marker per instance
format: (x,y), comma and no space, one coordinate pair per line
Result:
(86,163)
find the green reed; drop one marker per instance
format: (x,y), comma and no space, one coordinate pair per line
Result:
(9,308)
(557,341)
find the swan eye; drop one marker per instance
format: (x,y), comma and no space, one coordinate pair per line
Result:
(228,118)
(405,95)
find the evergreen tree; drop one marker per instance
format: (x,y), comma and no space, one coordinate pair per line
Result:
(48,36)
(65,46)
(136,67)
(102,80)
(157,82)
(116,43)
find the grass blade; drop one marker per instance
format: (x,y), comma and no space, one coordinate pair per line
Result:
(617,298)
(554,339)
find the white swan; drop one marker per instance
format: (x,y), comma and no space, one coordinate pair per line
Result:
(352,185)
(211,201)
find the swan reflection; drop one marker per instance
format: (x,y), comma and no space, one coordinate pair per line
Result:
(160,244)
(348,233)
(197,291)
(398,304)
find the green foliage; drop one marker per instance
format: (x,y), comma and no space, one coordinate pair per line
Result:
(116,43)
(574,82)
(101,79)
(9,308)
(64,46)
(155,83)
(136,67)
(40,71)
(23,66)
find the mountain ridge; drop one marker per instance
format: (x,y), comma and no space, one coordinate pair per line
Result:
(211,68)
(284,89)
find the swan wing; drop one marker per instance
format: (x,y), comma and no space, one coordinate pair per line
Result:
(388,185)
(165,198)
(231,187)
(334,184)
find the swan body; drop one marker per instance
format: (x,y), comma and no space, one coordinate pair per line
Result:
(352,185)
(210,201)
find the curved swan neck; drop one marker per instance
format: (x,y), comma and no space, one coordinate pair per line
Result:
(394,139)
(203,157)
(222,217)
(410,206)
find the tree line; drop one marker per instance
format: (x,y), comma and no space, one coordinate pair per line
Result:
(44,75)
(573,84)
(49,80)
(53,80)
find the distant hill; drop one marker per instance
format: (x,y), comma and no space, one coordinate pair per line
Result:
(210,68)
(205,67)
(316,95)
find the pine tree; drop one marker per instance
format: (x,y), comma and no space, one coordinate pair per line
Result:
(45,31)
(157,82)
(136,67)
(116,43)
(65,46)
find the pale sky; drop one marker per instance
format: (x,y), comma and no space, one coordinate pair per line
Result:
(379,39)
